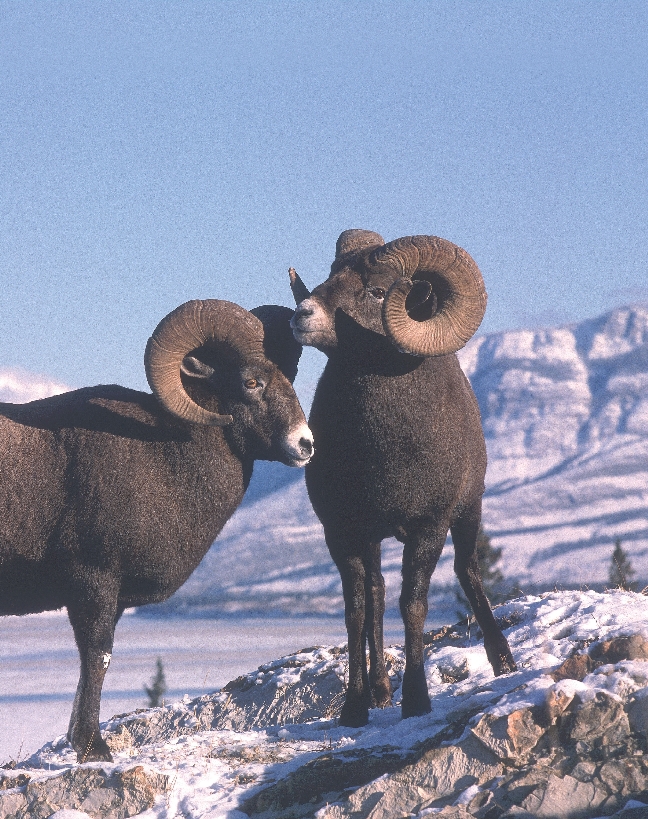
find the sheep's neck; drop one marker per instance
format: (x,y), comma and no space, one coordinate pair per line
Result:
(359,348)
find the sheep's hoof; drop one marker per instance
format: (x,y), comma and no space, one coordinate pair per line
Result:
(500,657)
(354,714)
(96,750)
(505,665)
(381,694)
(416,700)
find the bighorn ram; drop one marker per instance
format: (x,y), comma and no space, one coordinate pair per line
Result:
(111,497)
(399,445)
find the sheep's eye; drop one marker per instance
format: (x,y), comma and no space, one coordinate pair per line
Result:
(377,292)
(251,383)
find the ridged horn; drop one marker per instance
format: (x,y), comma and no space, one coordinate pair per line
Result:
(350,241)
(188,327)
(299,289)
(456,283)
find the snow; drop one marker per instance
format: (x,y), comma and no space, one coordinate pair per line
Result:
(39,664)
(18,386)
(212,772)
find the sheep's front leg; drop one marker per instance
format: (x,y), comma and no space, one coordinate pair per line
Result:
(93,620)
(381,694)
(421,553)
(355,711)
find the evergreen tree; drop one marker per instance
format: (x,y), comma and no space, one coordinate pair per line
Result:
(158,686)
(488,557)
(621,571)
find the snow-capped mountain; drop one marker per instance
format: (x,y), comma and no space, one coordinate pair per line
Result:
(18,386)
(565,413)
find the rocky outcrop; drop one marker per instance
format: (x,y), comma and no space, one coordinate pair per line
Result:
(281,692)
(94,791)
(574,757)
(564,737)
(586,762)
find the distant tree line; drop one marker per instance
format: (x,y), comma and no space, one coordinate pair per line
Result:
(498,589)
(621,571)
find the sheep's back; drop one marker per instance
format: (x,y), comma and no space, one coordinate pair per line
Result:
(102,477)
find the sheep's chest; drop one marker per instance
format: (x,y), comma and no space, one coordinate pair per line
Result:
(391,448)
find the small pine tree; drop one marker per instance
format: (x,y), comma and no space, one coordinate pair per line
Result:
(621,571)
(158,686)
(488,557)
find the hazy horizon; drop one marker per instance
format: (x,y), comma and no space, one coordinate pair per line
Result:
(152,153)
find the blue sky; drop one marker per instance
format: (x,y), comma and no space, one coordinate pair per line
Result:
(154,152)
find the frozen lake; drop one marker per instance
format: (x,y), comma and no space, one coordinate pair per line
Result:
(39,664)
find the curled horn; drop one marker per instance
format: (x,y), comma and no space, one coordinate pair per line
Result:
(457,287)
(187,328)
(299,289)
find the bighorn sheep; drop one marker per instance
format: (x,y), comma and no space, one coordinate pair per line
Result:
(399,445)
(111,497)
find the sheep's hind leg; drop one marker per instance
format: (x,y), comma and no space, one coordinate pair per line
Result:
(464,537)
(381,693)
(355,711)
(421,553)
(93,620)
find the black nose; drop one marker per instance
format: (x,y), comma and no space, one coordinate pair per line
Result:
(306,446)
(300,313)
(302,310)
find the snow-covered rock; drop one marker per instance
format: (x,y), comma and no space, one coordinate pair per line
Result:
(556,738)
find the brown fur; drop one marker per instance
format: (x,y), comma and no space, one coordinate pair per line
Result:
(107,502)
(399,452)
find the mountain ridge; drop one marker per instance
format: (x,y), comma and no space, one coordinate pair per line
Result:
(565,417)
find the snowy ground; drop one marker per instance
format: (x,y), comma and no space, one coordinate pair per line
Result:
(213,772)
(39,665)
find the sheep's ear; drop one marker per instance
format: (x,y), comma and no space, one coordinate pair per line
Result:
(195,368)
(279,344)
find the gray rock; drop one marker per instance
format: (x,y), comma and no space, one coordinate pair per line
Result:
(455,812)
(632,647)
(12,804)
(566,798)
(599,723)
(514,787)
(509,737)
(92,790)
(632,813)
(439,773)
(320,781)
(556,703)
(638,713)
(625,777)
(584,770)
